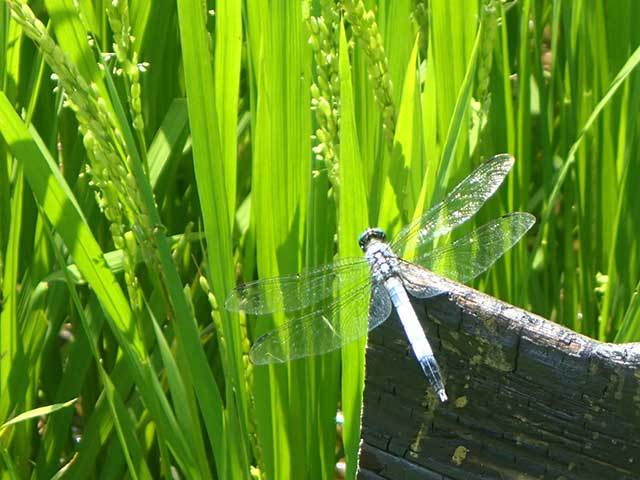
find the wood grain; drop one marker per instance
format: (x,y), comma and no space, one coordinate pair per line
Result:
(528,398)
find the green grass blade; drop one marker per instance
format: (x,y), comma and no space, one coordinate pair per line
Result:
(228,53)
(36,412)
(455,129)
(72,37)
(630,326)
(187,413)
(622,75)
(168,138)
(60,207)
(280,62)
(213,171)
(9,314)
(402,185)
(352,220)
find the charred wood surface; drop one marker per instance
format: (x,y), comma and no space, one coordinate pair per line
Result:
(527,398)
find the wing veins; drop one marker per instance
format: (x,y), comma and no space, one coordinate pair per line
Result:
(459,205)
(296,291)
(469,256)
(298,328)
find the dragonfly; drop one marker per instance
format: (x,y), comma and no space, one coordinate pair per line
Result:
(332,305)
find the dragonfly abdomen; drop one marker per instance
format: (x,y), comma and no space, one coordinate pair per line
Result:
(415,334)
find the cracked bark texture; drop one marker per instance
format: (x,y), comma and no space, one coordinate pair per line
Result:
(528,398)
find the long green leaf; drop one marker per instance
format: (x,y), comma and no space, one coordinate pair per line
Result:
(352,220)
(36,412)
(213,175)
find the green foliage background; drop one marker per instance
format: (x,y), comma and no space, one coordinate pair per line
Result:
(237,139)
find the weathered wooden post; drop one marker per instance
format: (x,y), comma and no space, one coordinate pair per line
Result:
(527,398)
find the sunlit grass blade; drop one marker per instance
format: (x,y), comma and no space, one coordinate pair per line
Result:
(212,170)
(406,168)
(36,413)
(457,121)
(72,36)
(352,218)
(428,190)
(630,326)
(280,185)
(170,135)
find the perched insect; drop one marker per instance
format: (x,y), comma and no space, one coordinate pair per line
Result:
(363,290)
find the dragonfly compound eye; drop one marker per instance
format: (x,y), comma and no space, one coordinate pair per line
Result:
(371,234)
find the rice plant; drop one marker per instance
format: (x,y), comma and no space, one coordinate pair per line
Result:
(155,154)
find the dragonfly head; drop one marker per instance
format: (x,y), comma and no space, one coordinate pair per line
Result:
(371,234)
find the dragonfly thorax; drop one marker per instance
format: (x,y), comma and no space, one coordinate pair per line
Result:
(383,262)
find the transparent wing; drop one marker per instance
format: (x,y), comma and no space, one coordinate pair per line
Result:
(458,206)
(468,256)
(324,330)
(295,292)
